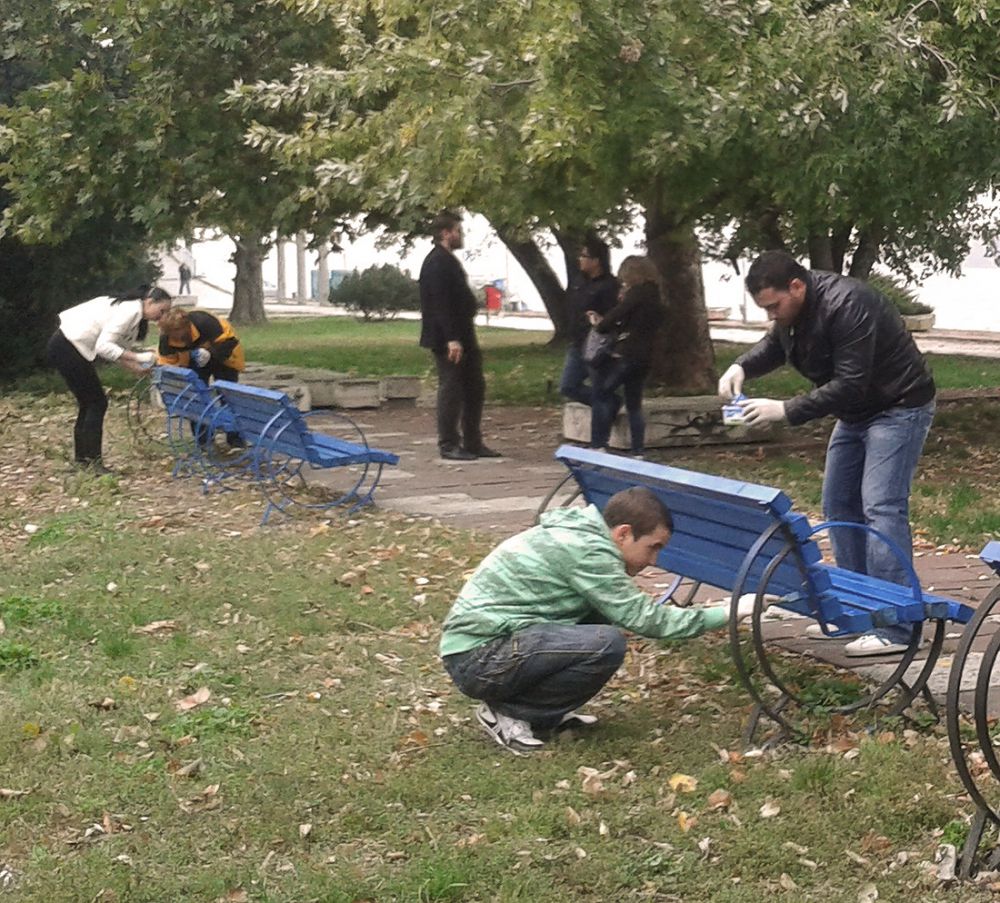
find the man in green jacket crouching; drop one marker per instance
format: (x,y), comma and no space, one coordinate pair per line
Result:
(533,634)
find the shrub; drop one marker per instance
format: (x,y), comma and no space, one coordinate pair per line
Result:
(378,293)
(903,297)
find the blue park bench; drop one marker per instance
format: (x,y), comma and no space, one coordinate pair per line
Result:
(285,451)
(742,537)
(194,414)
(974,748)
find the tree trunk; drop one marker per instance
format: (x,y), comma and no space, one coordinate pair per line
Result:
(869,242)
(820,252)
(684,361)
(543,277)
(570,243)
(248,291)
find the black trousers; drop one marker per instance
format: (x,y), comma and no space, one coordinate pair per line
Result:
(461,394)
(81,377)
(217,370)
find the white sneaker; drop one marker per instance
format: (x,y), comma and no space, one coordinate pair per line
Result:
(815,632)
(873,644)
(576,719)
(512,733)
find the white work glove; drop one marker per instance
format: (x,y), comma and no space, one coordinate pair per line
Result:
(762,410)
(145,359)
(200,357)
(731,383)
(744,605)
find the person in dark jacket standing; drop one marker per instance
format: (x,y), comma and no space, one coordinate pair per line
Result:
(850,342)
(448,312)
(596,290)
(636,319)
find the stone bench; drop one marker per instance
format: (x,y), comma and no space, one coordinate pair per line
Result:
(670,422)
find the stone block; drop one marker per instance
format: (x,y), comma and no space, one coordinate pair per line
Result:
(670,422)
(357,393)
(394,387)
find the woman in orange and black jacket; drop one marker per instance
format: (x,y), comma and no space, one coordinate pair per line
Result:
(205,343)
(202,341)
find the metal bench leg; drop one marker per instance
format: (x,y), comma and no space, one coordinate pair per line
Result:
(753,722)
(967,861)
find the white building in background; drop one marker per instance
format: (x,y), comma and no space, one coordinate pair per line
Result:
(970,301)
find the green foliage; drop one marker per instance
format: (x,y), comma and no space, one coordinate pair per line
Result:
(377,293)
(16,656)
(902,297)
(27,610)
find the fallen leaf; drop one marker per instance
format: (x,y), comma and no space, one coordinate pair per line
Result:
(157,627)
(105,705)
(8,794)
(720,799)
(194,700)
(770,809)
(685,822)
(868,893)
(572,816)
(305,830)
(237,895)
(592,783)
(786,882)
(683,783)
(189,770)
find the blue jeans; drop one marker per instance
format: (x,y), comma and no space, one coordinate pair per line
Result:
(573,382)
(869,471)
(631,376)
(540,673)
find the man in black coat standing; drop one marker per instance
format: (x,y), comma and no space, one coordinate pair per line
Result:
(448,312)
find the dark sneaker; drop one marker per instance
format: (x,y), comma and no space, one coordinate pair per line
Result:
(457,454)
(95,467)
(483,451)
(509,732)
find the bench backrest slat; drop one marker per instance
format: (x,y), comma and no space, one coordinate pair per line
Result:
(716,520)
(185,394)
(258,410)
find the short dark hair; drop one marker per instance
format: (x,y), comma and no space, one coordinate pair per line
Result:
(640,508)
(599,251)
(444,221)
(774,269)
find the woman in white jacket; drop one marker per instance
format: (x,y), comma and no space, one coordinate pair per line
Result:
(101,327)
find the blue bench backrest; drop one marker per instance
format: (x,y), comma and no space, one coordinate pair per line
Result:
(716,520)
(185,394)
(270,413)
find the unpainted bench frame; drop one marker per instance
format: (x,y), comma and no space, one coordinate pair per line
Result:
(977,653)
(284,449)
(743,537)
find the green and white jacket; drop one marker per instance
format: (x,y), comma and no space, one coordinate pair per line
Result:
(562,571)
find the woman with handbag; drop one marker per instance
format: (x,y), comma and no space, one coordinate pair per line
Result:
(635,320)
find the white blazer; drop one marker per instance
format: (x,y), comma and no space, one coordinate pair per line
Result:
(98,328)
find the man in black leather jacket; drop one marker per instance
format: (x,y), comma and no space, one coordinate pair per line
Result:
(448,313)
(850,342)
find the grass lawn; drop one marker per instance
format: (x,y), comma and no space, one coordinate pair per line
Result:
(193,708)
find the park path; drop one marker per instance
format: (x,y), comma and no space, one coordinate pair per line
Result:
(501,496)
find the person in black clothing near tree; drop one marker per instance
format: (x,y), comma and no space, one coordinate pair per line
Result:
(636,319)
(596,290)
(448,312)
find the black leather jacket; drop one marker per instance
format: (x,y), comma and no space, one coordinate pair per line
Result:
(850,342)
(600,294)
